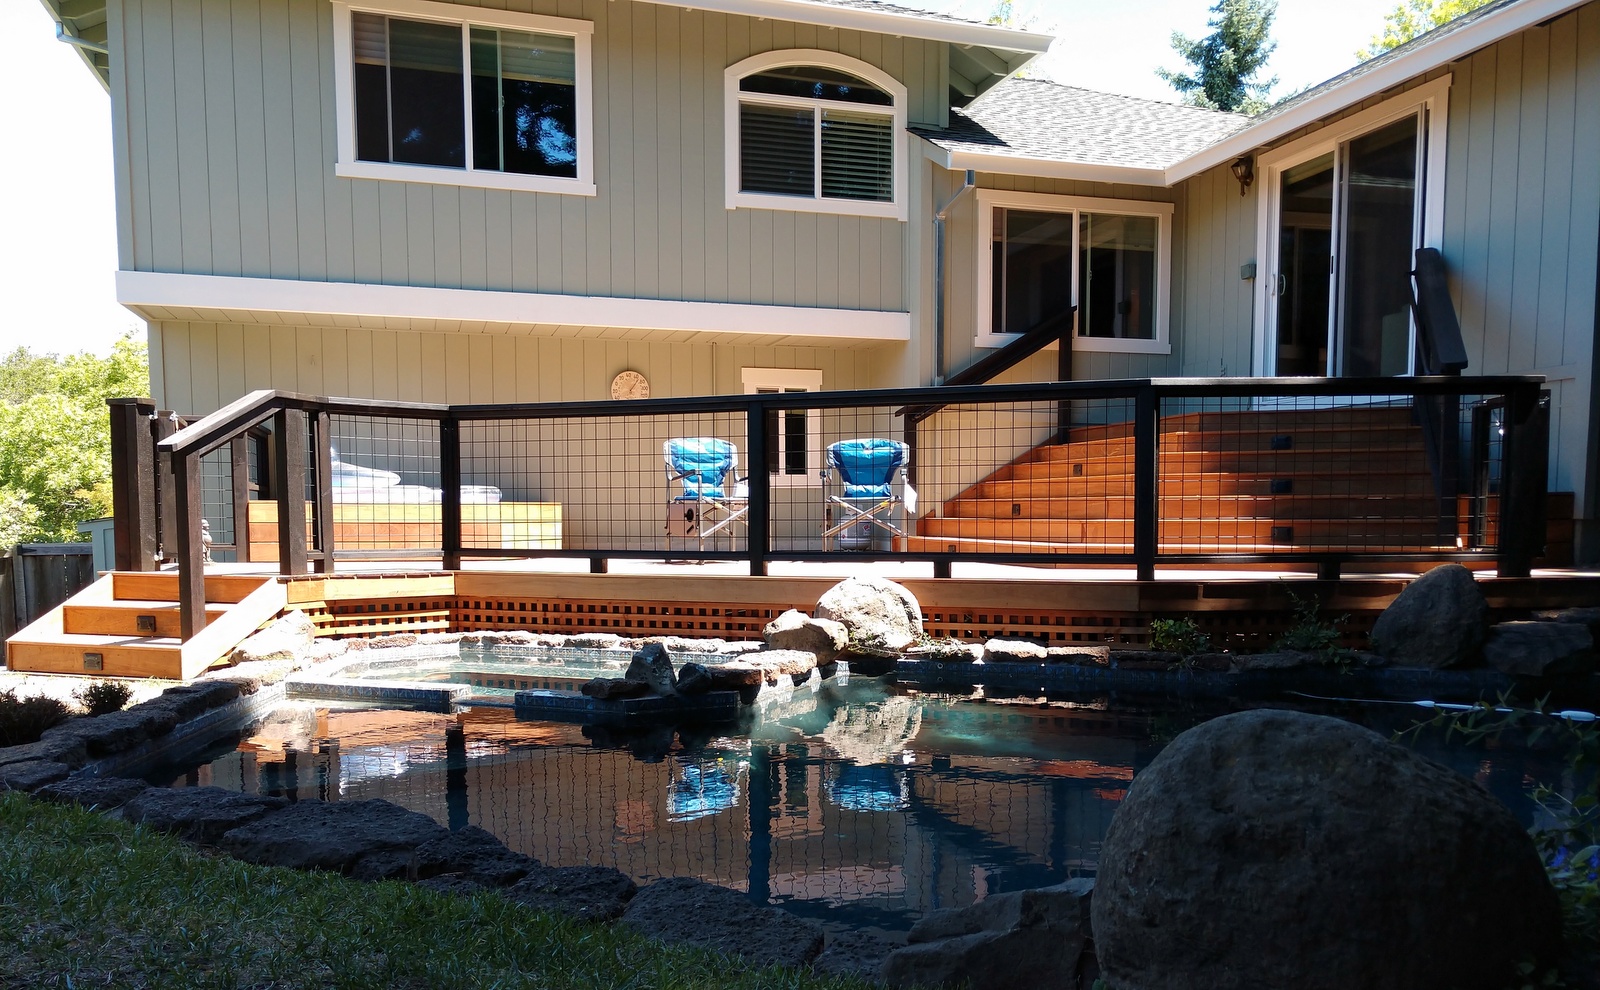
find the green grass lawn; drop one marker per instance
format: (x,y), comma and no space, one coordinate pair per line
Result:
(86,901)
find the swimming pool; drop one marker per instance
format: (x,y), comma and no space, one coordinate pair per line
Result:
(861,804)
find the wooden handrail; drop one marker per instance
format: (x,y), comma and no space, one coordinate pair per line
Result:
(1440,348)
(1032,341)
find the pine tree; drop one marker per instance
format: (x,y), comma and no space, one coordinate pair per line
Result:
(1226,60)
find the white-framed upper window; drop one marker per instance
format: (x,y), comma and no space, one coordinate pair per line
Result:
(817,132)
(445,93)
(1039,254)
(794,436)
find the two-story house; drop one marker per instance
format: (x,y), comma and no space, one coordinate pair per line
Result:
(454,202)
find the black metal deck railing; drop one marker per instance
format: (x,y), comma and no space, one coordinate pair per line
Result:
(1157,471)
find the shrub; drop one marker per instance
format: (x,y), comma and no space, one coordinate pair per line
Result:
(1310,634)
(103,697)
(23,720)
(1180,636)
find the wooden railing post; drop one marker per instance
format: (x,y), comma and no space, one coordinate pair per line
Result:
(1523,480)
(322,445)
(239,489)
(164,425)
(190,548)
(289,450)
(450,493)
(759,541)
(1146,492)
(133,484)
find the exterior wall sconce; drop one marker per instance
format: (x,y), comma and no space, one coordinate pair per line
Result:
(1244,169)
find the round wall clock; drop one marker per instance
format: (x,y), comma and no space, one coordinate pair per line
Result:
(630,385)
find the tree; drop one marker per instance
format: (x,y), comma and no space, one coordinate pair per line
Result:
(1413,17)
(55,438)
(1226,60)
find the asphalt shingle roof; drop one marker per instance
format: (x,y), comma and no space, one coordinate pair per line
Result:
(890,8)
(1045,121)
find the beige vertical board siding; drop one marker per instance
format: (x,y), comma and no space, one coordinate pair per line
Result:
(214,30)
(230,140)
(1214,234)
(122,83)
(1522,218)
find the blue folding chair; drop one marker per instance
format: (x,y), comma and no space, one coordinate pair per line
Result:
(860,504)
(705,497)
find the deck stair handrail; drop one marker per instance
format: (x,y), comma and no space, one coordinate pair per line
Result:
(1030,342)
(301,449)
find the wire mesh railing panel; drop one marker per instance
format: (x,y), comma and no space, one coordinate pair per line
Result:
(653,484)
(216,503)
(1008,478)
(385,485)
(1355,474)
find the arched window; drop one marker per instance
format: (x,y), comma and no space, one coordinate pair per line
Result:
(815,131)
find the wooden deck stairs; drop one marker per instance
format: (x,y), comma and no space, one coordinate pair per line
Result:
(1247,482)
(126,625)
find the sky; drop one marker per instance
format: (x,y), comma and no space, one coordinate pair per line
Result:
(58,254)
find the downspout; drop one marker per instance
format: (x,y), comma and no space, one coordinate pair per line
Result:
(65,38)
(939,219)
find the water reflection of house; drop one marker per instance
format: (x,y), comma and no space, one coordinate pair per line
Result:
(940,824)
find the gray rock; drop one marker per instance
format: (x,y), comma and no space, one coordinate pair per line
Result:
(795,630)
(686,910)
(473,854)
(31,775)
(1144,659)
(199,814)
(94,793)
(606,688)
(1024,938)
(874,611)
(1436,622)
(1252,837)
(1280,660)
(1585,616)
(322,835)
(589,893)
(693,679)
(117,732)
(1079,656)
(247,683)
(1540,649)
(946,651)
(853,954)
(774,664)
(55,749)
(596,641)
(1065,905)
(280,641)
(652,664)
(1014,651)
(188,700)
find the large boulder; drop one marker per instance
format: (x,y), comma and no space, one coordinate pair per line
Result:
(94,793)
(875,612)
(795,630)
(1025,938)
(1281,849)
(1437,621)
(199,814)
(117,732)
(652,664)
(471,854)
(683,909)
(279,642)
(1540,649)
(364,839)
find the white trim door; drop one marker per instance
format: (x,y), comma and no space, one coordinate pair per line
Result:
(1293,228)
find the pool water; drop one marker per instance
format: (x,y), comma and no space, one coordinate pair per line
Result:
(865,805)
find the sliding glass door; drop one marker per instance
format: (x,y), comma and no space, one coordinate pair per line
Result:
(1347,220)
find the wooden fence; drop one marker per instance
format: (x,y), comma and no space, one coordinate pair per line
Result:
(36,577)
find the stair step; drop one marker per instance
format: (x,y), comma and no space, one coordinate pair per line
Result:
(931,544)
(1364,534)
(1204,485)
(1275,462)
(121,617)
(84,653)
(162,586)
(1385,439)
(1280,507)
